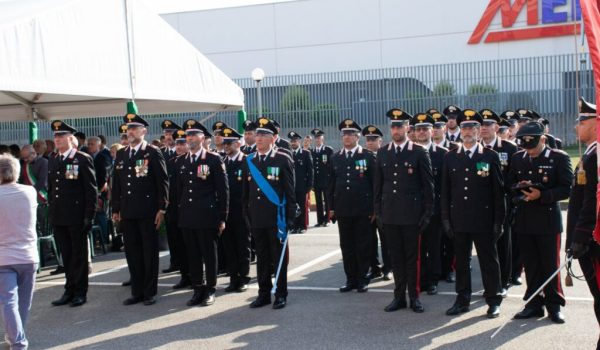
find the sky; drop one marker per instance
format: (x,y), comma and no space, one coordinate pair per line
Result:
(169,6)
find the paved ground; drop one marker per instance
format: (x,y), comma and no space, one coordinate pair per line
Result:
(317,315)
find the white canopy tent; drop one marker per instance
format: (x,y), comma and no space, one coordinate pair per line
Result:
(86,58)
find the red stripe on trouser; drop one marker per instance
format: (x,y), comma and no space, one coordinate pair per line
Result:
(453,264)
(596,263)
(307,210)
(559,287)
(418,286)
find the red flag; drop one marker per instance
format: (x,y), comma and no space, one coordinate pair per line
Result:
(590,10)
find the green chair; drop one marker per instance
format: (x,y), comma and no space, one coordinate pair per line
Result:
(45,234)
(92,234)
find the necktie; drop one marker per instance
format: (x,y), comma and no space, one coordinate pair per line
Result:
(488,146)
(398,149)
(132,153)
(348,154)
(62,158)
(468,153)
(451,137)
(262,158)
(193,158)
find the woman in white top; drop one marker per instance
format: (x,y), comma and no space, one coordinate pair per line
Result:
(18,251)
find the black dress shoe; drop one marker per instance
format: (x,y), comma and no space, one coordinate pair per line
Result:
(416,306)
(396,304)
(516,280)
(302,230)
(78,301)
(457,309)
(260,302)
(279,303)
(196,299)
(242,288)
(149,301)
(432,290)
(132,300)
(347,288)
(64,300)
(387,276)
(362,288)
(375,274)
(317,225)
(504,292)
(232,287)
(170,269)
(126,283)
(493,311)
(529,313)
(208,299)
(59,270)
(556,317)
(451,277)
(183,283)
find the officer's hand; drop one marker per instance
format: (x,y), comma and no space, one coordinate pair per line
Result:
(160,217)
(447,228)
(423,223)
(116,217)
(579,249)
(532,194)
(221,227)
(373,218)
(87,225)
(497,231)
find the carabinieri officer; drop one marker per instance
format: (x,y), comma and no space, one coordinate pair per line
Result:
(269,200)
(203,196)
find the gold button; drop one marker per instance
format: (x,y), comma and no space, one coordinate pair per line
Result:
(466,198)
(258,197)
(394,191)
(466,179)
(395,182)
(128,192)
(190,199)
(466,188)
(347,188)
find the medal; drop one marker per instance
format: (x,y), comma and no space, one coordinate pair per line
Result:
(324,158)
(581,178)
(277,173)
(203,171)
(545,178)
(269,173)
(239,175)
(410,171)
(69,172)
(483,169)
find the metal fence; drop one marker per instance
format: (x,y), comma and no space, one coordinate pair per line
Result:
(550,85)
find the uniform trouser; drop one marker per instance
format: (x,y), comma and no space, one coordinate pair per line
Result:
(322,206)
(504,246)
(517,261)
(236,241)
(73,244)
(201,245)
(306,209)
(385,253)
(268,252)
(447,256)
(221,258)
(488,262)
(355,242)
(300,221)
(141,251)
(591,270)
(430,253)
(177,246)
(541,257)
(404,247)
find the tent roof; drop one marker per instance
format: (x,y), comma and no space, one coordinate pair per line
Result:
(69,58)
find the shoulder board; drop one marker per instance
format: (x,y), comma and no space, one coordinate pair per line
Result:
(417,146)
(559,151)
(283,153)
(152,146)
(328,147)
(441,148)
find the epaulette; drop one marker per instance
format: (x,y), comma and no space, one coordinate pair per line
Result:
(284,154)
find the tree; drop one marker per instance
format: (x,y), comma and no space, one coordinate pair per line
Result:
(444,88)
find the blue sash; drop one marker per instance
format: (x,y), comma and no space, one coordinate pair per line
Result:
(272,196)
